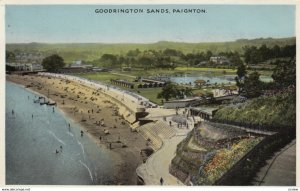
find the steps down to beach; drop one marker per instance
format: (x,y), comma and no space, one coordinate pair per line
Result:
(155,132)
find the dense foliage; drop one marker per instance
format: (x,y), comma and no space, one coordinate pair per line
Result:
(255,55)
(278,110)
(223,160)
(53,63)
(171,90)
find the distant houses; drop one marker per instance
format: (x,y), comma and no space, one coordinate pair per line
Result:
(27,62)
(78,66)
(219,60)
(33,67)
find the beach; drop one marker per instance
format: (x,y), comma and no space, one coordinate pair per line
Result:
(98,117)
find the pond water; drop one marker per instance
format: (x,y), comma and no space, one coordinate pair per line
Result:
(210,78)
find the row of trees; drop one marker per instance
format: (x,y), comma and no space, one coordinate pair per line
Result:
(255,55)
(136,58)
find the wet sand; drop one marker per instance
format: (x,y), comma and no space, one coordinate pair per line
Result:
(96,114)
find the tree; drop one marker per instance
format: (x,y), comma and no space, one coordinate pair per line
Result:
(53,63)
(168,91)
(10,56)
(252,85)
(284,74)
(183,92)
(109,60)
(241,73)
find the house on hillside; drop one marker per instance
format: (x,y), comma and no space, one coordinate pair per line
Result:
(219,60)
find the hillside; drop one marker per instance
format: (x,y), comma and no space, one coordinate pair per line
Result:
(268,112)
(92,51)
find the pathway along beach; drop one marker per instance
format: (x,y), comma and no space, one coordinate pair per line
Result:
(89,108)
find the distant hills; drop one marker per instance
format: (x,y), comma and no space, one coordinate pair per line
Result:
(92,51)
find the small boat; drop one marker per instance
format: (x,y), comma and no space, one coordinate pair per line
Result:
(51,103)
(42,103)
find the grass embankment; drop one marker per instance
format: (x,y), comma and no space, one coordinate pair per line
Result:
(278,111)
(206,161)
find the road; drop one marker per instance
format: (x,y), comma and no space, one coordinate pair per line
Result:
(280,169)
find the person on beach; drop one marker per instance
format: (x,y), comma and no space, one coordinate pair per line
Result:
(60,147)
(161,181)
(53,109)
(56,151)
(12,112)
(170,123)
(32,116)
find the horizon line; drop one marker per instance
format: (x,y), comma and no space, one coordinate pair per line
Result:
(153,42)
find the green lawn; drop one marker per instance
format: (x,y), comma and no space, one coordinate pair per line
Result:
(151,94)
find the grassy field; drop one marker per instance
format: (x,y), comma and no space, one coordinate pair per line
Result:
(151,94)
(92,51)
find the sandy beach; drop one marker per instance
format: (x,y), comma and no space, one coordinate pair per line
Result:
(98,118)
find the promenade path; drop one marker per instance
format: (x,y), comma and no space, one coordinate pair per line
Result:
(157,165)
(280,169)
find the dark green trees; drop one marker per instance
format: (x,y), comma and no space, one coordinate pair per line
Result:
(53,63)
(170,90)
(284,74)
(252,85)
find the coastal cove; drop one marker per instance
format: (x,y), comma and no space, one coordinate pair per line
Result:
(34,132)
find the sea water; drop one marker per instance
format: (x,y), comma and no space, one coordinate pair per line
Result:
(34,132)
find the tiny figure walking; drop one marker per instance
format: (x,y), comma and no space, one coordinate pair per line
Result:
(12,112)
(32,116)
(161,181)
(170,123)
(53,109)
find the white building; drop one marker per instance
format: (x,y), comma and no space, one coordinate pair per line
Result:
(224,92)
(34,67)
(219,60)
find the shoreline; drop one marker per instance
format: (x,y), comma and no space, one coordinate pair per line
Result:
(127,159)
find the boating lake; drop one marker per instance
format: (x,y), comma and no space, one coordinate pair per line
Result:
(210,78)
(31,144)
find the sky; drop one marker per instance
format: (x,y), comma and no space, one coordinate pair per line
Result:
(80,23)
